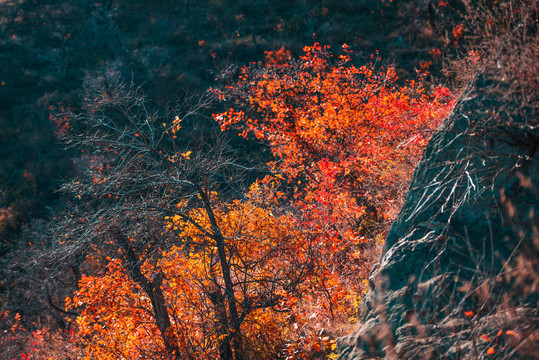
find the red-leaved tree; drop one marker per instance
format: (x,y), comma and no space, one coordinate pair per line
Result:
(345,141)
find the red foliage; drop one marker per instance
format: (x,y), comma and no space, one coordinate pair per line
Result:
(345,140)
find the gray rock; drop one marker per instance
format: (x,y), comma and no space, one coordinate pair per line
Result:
(465,240)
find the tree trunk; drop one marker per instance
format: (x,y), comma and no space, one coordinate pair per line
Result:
(155,293)
(233,322)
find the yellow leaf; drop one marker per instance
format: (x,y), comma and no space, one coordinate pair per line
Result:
(186,154)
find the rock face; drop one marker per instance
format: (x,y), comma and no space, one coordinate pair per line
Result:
(460,261)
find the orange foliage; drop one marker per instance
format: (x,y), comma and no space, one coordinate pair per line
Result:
(345,137)
(276,57)
(267,259)
(245,279)
(345,140)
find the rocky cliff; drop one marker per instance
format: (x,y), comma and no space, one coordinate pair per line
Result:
(458,276)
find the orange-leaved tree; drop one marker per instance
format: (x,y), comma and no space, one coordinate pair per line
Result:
(346,138)
(345,141)
(171,270)
(267,259)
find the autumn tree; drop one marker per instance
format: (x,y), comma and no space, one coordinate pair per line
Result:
(172,266)
(346,138)
(345,141)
